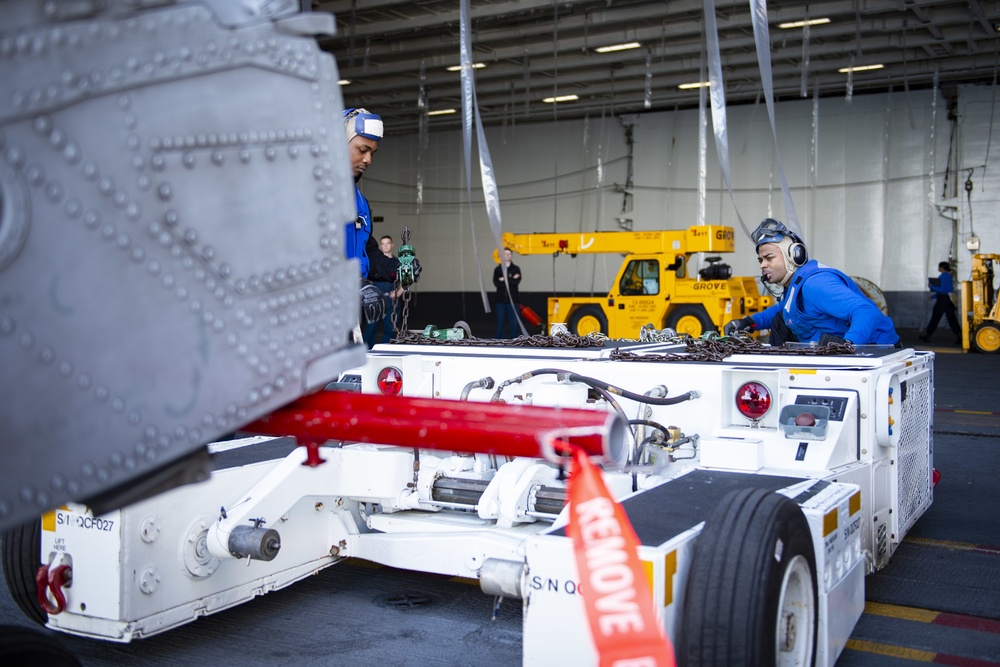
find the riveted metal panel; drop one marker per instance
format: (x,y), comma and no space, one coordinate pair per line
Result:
(173,183)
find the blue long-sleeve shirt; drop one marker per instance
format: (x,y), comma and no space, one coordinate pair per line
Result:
(945,285)
(822,300)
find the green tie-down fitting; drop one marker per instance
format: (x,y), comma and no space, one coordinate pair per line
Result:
(407,256)
(460,331)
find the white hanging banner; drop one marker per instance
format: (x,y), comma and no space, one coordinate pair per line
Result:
(762,39)
(718,99)
(468,105)
(702,147)
(804,83)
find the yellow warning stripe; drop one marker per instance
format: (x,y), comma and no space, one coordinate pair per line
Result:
(830,521)
(897,611)
(854,504)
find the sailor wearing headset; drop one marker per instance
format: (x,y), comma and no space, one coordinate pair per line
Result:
(815,303)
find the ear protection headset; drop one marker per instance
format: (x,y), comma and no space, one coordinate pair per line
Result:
(773,231)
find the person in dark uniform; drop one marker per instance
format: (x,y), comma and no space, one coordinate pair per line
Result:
(507,297)
(387,285)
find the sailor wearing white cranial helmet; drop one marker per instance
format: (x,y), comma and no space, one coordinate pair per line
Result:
(362,122)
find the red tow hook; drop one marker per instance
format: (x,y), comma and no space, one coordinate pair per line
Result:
(53,582)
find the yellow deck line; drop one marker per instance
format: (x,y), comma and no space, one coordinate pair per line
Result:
(890,650)
(898,611)
(949,544)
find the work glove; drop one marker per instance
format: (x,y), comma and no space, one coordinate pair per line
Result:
(734,326)
(826,339)
(416,269)
(374,304)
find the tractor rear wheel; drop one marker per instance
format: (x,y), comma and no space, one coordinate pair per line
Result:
(690,319)
(751,594)
(586,320)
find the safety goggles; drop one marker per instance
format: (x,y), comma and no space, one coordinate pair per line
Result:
(771,231)
(367,125)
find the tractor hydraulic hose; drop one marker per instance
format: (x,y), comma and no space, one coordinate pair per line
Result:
(649,422)
(482,383)
(598,384)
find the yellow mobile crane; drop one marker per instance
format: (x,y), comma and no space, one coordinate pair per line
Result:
(652,285)
(979,313)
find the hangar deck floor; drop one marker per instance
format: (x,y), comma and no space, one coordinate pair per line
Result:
(938,600)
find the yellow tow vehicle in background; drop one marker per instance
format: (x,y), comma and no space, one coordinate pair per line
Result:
(653,285)
(980,311)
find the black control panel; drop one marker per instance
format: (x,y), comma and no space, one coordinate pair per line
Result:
(837,404)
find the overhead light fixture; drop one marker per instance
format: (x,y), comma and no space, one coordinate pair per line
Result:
(440,112)
(458,68)
(802,24)
(344,82)
(696,84)
(859,68)
(561,98)
(618,47)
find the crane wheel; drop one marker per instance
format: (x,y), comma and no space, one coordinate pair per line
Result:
(987,338)
(586,320)
(690,319)
(751,595)
(22,547)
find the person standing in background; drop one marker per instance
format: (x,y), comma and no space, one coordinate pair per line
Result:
(507,297)
(941,289)
(386,284)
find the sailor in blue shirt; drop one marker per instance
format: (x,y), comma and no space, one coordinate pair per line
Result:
(941,290)
(815,302)
(364,132)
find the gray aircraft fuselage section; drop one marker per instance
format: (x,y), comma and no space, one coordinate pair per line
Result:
(173,188)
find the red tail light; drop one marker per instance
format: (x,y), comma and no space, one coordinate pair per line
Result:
(390,381)
(753,400)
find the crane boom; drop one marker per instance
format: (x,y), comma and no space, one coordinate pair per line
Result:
(703,238)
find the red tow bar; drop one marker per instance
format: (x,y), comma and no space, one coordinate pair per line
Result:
(449,425)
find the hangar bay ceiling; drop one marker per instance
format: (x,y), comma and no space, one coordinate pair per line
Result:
(530,50)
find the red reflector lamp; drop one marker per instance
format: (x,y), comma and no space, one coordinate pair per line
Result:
(563,244)
(753,400)
(390,381)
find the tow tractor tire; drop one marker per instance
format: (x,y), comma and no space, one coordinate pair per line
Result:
(21,560)
(586,320)
(987,338)
(690,319)
(751,592)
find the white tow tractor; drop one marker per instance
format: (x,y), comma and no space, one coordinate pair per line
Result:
(762,488)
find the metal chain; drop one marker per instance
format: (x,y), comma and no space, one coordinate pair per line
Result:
(401,327)
(715,348)
(538,340)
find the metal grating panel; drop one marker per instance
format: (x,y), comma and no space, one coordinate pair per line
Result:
(914,462)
